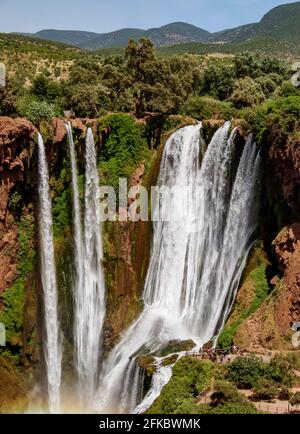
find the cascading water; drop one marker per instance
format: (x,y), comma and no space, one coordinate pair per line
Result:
(196,262)
(217,252)
(52,339)
(78,278)
(89,287)
(159,322)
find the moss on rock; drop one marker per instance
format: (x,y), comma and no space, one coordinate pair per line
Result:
(176,346)
(12,389)
(190,377)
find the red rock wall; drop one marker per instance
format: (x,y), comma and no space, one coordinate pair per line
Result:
(16,136)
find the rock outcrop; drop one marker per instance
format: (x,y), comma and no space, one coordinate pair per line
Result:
(16,137)
(287,252)
(269,327)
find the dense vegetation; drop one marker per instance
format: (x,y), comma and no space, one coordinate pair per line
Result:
(125,148)
(189,378)
(193,378)
(13,300)
(249,86)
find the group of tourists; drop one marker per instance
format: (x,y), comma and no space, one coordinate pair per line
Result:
(220,355)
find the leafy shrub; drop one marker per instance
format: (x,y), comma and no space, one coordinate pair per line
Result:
(226,392)
(61,213)
(36,110)
(218,81)
(265,389)
(40,87)
(234,408)
(61,209)
(122,150)
(207,108)
(289,105)
(250,372)
(245,371)
(267,84)
(284,394)
(15,203)
(281,370)
(87,99)
(278,117)
(12,316)
(247,92)
(228,408)
(249,65)
(295,399)
(188,406)
(287,89)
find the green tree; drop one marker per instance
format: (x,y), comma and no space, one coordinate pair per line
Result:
(265,389)
(224,392)
(40,87)
(267,84)
(123,149)
(246,65)
(141,64)
(204,107)
(87,99)
(247,92)
(295,399)
(218,82)
(36,110)
(281,370)
(245,371)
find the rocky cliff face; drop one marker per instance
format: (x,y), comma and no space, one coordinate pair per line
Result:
(16,135)
(269,326)
(287,252)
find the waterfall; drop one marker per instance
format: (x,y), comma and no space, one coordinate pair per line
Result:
(52,338)
(159,323)
(88,285)
(224,236)
(132,387)
(196,260)
(160,379)
(78,278)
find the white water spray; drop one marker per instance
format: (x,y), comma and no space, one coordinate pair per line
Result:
(52,339)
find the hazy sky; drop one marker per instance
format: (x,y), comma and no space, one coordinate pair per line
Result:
(107,15)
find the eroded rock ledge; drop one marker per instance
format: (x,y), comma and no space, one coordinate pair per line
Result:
(287,251)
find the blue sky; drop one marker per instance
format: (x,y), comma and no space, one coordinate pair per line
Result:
(108,15)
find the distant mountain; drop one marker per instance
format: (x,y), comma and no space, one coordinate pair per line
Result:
(281,23)
(70,37)
(119,38)
(177,33)
(171,34)
(238,34)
